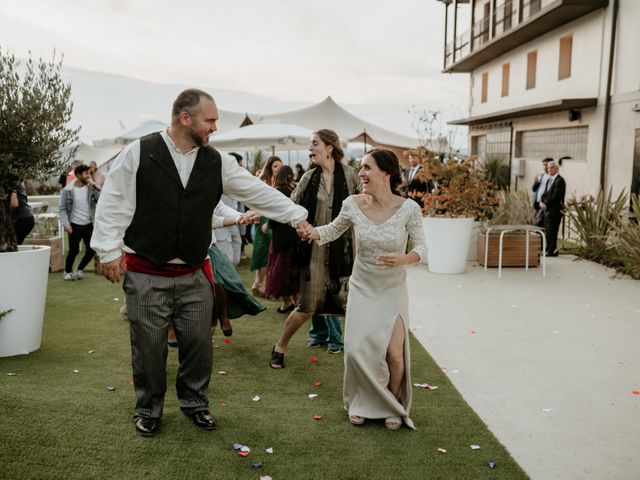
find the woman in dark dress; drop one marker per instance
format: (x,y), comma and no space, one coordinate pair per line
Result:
(282,275)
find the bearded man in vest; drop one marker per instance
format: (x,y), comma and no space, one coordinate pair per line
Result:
(154,221)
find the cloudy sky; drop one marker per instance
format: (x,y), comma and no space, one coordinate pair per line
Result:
(383,56)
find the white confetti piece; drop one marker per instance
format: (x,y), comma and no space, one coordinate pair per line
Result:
(441,450)
(455,371)
(313,395)
(116,299)
(92,351)
(269,450)
(244,448)
(222,372)
(546,410)
(475,447)
(11,374)
(256,398)
(76,371)
(265,477)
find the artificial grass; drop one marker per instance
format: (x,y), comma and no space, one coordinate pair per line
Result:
(55,423)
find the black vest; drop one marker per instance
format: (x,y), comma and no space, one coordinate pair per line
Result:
(172,221)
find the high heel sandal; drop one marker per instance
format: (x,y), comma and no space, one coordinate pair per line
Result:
(393,423)
(356,419)
(277,359)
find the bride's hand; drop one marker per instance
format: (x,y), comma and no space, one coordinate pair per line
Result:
(390,260)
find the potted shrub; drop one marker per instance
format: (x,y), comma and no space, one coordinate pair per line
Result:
(514,208)
(35,108)
(460,196)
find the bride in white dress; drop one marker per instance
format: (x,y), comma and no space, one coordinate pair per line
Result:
(377,376)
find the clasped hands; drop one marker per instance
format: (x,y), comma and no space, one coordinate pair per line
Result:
(248,217)
(306,231)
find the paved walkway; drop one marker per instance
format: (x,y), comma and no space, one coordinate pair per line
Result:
(549,364)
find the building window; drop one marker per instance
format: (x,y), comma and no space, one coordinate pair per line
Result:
(505,79)
(532,60)
(485,86)
(553,142)
(494,143)
(564,67)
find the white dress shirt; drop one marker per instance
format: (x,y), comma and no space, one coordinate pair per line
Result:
(542,187)
(117,204)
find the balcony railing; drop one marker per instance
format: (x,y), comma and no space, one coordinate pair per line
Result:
(510,16)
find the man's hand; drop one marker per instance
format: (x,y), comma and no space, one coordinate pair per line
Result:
(111,270)
(543,206)
(68,229)
(249,217)
(302,227)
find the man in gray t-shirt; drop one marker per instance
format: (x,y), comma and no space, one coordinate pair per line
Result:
(77,211)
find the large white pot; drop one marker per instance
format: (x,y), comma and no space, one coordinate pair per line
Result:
(448,242)
(23,288)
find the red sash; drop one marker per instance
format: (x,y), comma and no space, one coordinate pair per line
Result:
(138,264)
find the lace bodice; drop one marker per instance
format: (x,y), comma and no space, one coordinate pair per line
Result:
(373,240)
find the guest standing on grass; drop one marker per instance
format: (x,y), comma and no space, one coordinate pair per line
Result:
(260,253)
(157,204)
(321,191)
(283,273)
(377,376)
(77,211)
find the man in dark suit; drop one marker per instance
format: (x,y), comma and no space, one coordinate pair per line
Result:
(552,204)
(413,187)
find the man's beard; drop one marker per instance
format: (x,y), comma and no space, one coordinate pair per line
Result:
(197,138)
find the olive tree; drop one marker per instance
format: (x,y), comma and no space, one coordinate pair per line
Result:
(35,109)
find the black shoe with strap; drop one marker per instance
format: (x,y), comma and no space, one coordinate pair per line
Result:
(277,359)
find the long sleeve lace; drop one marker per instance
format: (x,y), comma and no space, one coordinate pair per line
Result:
(416,232)
(332,231)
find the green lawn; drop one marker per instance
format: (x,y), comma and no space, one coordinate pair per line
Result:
(55,423)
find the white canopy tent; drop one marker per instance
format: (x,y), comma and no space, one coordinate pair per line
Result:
(328,114)
(228,121)
(276,136)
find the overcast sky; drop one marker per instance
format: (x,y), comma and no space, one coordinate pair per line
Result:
(386,55)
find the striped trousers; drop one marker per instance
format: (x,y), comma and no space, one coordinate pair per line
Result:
(152,301)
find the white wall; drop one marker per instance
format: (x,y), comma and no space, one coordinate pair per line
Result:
(583,83)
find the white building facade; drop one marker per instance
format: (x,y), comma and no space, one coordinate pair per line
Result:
(552,78)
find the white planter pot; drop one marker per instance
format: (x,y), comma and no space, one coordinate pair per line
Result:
(448,241)
(23,288)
